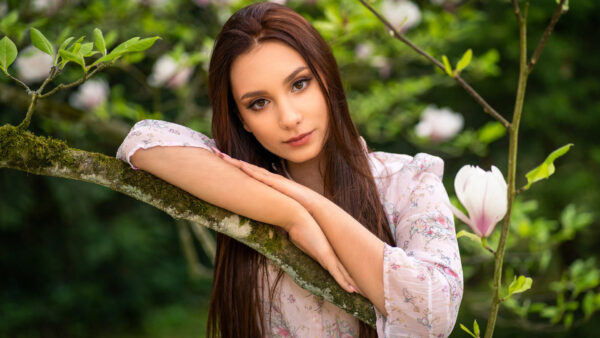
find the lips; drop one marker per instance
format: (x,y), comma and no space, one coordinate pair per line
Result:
(296,138)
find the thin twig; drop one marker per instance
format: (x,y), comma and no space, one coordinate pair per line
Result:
(486,107)
(18,81)
(538,50)
(74,83)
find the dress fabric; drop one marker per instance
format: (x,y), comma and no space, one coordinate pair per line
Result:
(422,273)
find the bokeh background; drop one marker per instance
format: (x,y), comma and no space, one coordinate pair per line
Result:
(79,260)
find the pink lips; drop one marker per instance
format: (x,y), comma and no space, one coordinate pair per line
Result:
(299,140)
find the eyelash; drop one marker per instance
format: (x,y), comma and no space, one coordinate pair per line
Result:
(305,80)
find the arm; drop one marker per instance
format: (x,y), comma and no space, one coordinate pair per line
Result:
(185,158)
(417,284)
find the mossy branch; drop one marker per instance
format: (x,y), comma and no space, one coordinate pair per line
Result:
(24,151)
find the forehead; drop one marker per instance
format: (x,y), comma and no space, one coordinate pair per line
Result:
(263,67)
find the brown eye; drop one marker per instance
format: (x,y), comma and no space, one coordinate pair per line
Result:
(258,104)
(300,84)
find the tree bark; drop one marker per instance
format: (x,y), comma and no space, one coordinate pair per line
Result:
(24,151)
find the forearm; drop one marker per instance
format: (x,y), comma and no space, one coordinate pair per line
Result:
(360,251)
(215,181)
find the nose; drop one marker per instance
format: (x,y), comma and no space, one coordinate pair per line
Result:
(289,115)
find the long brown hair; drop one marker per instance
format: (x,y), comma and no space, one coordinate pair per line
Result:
(235,306)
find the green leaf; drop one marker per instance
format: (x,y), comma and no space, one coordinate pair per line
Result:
(476,328)
(40,42)
(76,44)
(73,57)
(490,132)
(86,49)
(447,67)
(65,43)
(464,328)
(519,285)
(546,169)
(469,235)
(124,46)
(99,41)
(143,44)
(465,60)
(8,52)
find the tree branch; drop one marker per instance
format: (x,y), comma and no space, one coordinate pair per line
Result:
(538,50)
(24,151)
(486,106)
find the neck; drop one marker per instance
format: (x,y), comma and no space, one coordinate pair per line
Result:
(309,173)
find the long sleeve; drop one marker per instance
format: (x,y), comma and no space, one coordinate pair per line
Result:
(151,133)
(422,274)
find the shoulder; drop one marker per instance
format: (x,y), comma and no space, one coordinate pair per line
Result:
(386,165)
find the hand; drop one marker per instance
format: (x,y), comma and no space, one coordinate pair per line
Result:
(303,195)
(308,237)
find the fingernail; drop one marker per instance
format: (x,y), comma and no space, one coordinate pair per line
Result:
(353,289)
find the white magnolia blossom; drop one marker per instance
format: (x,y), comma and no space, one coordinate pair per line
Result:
(90,95)
(439,124)
(396,11)
(33,65)
(170,73)
(384,65)
(484,195)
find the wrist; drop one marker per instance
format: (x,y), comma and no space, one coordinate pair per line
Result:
(296,215)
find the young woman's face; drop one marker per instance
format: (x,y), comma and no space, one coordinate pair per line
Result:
(280,101)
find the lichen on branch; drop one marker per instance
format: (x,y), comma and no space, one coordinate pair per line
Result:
(24,151)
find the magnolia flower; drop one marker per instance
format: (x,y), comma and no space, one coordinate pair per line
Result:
(399,10)
(33,65)
(384,65)
(439,124)
(483,194)
(90,95)
(170,73)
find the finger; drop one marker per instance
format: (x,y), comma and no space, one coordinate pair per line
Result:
(346,275)
(337,274)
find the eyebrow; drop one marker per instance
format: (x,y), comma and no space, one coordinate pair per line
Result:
(286,80)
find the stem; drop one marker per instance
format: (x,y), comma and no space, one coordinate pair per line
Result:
(25,123)
(486,106)
(74,83)
(538,50)
(512,168)
(17,81)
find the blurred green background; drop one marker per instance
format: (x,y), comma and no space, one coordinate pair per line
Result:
(78,260)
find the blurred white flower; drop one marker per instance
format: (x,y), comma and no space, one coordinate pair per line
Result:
(483,194)
(90,95)
(363,51)
(384,65)
(439,124)
(281,2)
(170,73)
(3,8)
(33,65)
(396,11)
(48,6)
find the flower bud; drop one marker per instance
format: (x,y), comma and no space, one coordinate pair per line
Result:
(484,195)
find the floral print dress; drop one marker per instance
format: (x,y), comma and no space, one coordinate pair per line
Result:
(422,273)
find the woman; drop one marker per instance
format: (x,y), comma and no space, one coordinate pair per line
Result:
(285,152)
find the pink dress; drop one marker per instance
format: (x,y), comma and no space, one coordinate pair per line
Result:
(422,273)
